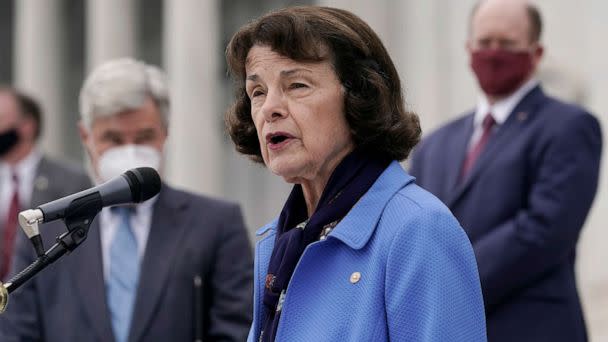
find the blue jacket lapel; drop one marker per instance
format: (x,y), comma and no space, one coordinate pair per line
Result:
(358,226)
(90,285)
(166,231)
(502,137)
(364,215)
(263,252)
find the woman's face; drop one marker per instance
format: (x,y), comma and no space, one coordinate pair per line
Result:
(298,112)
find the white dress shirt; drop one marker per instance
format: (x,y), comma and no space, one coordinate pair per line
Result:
(140,223)
(26,174)
(500,110)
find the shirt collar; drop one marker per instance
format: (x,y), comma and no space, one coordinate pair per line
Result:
(502,108)
(144,208)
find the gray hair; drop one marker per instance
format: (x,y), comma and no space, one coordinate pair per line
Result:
(120,85)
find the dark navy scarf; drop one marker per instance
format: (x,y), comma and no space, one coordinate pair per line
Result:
(350,181)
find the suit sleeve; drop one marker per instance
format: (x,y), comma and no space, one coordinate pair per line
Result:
(21,320)
(232,282)
(432,286)
(544,234)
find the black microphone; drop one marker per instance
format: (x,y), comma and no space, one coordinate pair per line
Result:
(77,211)
(133,186)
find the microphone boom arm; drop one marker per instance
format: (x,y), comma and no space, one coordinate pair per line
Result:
(78,220)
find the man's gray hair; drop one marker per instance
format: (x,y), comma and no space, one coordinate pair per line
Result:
(121,85)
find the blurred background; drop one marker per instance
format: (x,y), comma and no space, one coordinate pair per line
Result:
(47,48)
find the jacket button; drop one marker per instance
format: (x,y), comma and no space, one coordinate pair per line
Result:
(355,277)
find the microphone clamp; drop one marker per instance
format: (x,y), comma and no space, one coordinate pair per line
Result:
(29,220)
(3,297)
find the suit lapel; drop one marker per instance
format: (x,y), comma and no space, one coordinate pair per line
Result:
(166,230)
(41,190)
(502,137)
(457,149)
(90,284)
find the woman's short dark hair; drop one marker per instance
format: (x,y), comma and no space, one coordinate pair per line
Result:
(373,100)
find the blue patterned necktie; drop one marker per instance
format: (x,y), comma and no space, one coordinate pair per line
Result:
(121,286)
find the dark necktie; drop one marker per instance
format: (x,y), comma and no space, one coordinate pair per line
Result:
(487,125)
(10,228)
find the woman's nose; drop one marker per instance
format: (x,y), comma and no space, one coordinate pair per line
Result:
(274,106)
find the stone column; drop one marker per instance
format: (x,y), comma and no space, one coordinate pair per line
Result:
(38,62)
(590,58)
(375,13)
(111,30)
(192,54)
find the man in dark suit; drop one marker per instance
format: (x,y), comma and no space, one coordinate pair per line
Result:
(27,177)
(520,173)
(175,268)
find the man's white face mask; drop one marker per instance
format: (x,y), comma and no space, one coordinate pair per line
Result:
(116,160)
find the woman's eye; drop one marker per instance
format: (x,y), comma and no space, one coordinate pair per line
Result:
(256,92)
(298,85)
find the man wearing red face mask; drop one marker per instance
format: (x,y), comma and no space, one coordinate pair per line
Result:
(520,173)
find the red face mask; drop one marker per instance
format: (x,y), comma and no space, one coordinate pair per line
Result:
(500,72)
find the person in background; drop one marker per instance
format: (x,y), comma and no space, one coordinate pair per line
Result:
(520,172)
(359,251)
(174,268)
(28,178)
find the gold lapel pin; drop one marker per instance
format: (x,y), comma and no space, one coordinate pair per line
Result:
(41,183)
(522,116)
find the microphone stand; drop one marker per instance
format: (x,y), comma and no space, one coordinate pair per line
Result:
(78,218)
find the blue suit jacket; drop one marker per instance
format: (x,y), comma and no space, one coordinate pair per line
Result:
(419,281)
(523,207)
(189,236)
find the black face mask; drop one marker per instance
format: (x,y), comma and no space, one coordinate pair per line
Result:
(8,140)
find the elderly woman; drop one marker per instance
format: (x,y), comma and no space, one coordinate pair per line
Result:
(359,251)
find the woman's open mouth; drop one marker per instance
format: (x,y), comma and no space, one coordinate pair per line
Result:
(278,140)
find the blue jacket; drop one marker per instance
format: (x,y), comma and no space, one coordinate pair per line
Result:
(523,207)
(418,277)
